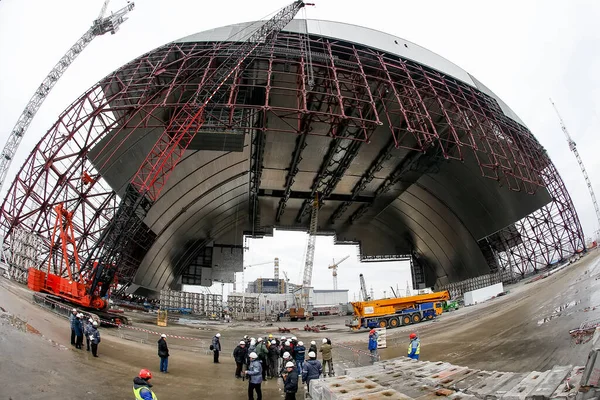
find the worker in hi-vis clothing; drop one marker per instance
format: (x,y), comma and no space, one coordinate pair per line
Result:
(414,347)
(141,386)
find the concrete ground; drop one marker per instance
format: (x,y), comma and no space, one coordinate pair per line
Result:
(525,330)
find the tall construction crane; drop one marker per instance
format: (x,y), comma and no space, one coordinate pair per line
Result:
(573,148)
(154,172)
(248,266)
(310,253)
(100,26)
(334,267)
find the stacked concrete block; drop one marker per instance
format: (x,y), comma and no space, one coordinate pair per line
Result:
(407,379)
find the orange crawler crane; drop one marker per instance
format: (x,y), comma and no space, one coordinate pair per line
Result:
(67,282)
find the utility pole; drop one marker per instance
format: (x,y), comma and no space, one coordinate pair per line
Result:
(573,148)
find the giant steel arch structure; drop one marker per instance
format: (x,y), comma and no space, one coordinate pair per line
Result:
(408,152)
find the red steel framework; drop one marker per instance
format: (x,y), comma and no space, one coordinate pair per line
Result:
(356,89)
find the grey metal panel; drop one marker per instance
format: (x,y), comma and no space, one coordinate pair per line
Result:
(359,35)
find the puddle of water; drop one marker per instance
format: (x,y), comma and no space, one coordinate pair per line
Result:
(558,312)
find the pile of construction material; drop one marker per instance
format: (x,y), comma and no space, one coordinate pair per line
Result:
(405,379)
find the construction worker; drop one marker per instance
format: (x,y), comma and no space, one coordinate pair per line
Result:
(299,355)
(286,357)
(251,349)
(255,374)
(312,370)
(87,330)
(373,336)
(273,359)
(78,323)
(290,381)
(163,353)
(72,319)
(216,347)
(94,337)
(313,346)
(414,347)
(240,353)
(141,386)
(327,357)
(263,353)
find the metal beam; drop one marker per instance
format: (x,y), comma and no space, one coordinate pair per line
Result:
(307,196)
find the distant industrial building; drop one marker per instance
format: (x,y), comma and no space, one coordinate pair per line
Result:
(267,285)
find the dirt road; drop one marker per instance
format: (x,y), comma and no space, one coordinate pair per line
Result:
(525,330)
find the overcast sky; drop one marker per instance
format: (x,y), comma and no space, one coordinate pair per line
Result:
(524,51)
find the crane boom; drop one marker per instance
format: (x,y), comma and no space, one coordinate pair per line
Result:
(310,252)
(363,288)
(334,267)
(573,147)
(100,26)
(146,185)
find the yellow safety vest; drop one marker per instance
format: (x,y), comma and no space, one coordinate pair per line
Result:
(410,347)
(137,391)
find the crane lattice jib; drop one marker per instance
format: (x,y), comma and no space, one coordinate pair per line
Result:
(99,27)
(310,251)
(155,170)
(168,150)
(573,148)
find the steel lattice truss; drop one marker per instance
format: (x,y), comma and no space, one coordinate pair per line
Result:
(356,90)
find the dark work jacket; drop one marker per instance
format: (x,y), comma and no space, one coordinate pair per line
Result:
(290,385)
(163,349)
(313,348)
(312,370)
(78,327)
(299,353)
(239,354)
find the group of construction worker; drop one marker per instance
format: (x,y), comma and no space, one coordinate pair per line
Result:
(271,358)
(414,346)
(81,327)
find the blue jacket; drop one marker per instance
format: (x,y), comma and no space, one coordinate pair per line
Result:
(78,327)
(299,353)
(94,333)
(72,319)
(216,343)
(255,372)
(373,341)
(312,370)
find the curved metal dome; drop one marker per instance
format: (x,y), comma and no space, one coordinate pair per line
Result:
(410,154)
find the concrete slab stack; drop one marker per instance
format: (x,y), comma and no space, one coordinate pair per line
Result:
(407,379)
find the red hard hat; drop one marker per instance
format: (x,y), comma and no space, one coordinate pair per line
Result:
(145,374)
(413,335)
(372,331)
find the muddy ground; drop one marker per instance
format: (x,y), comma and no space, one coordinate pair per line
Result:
(525,330)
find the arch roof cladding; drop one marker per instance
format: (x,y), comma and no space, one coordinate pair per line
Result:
(360,35)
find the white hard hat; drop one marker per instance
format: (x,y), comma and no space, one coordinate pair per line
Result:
(273,342)
(294,338)
(253,339)
(253,355)
(218,335)
(90,320)
(163,335)
(287,342)
(242,342)
(283,338)
(312,354)
(259,339)
(80,315)
(252,342)
(324,340)
(286,355)
(74,310)
(313,342)
(95,323)
(300,344)
(245,336)
(289,364)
